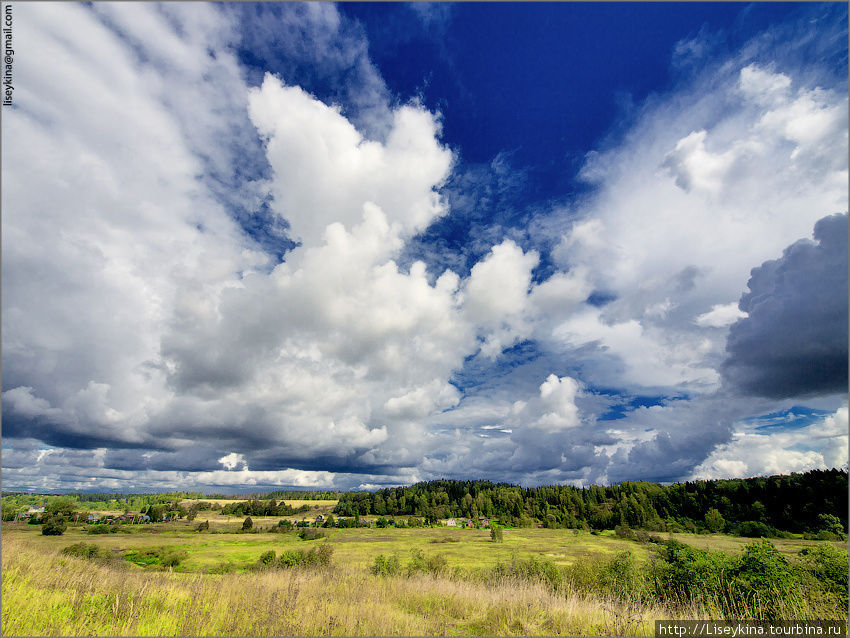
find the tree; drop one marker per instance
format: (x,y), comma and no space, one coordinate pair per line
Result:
(496,534)
(714,521)
(63,506)
(53,526)
(247,523)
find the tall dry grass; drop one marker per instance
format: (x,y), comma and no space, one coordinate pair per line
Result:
(47,593)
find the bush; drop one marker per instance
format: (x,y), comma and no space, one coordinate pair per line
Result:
(537,569)
(202,527)
(826,566)
(766,581)
(88,551)
(686,573)
(621,576)
(310,534)
(757,529)
(623,531)
(247,524)
(267,558)
(317,556)
(386,565)
(496,534)
(102,529)
(157,556)
(54,526)
(421,564)
(284,526)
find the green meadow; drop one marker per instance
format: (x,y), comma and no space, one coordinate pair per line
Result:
(536,582)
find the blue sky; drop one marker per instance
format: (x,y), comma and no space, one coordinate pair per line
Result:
(346,246)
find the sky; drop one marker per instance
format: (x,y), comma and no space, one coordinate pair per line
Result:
(266,246)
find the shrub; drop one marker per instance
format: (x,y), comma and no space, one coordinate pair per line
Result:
(317,556)
(247,524)
(102,529)
(538,569)
(54,526)
(157,556)
(757,529)
(621,576)
(686,573)
(623,531)
(386,565)
(284,525)
(88,551)
(766,581)
(826,566)
(420,564)
(202,527)
(310,534)
(496,534)
(267,558)
(714,520)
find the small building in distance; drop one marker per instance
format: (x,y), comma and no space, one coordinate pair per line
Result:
(320,519)
(451,523)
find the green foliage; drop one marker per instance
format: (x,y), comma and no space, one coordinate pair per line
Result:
(386,565)
(831,523)
(622,576)
(102,528)
(778,502)
(164,556)
(623,531)
(247,524)
(827,568)
(714,520)
(63,506)
(54,526)
(310,534)
(496,534)
(419,563)
(89,551)
(203,527)
(536,569)
(756,529)
(315,557)
(766,581)
(268,558)
(687,573)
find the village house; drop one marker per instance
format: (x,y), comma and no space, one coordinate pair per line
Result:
(451,523)
(320,519)
(483,522)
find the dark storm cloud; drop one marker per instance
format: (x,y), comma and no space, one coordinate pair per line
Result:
(794,341)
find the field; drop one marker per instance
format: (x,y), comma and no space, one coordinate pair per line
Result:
(214,590)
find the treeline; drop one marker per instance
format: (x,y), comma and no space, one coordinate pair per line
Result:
(298,495)
(256,507)
(814,502)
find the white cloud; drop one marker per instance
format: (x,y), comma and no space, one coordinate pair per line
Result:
(821,445)
(721,315)
(707,185)
(325,170)
(232,460)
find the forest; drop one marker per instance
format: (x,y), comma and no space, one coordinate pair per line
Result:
(812,503)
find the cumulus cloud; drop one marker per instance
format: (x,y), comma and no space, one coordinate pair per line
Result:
(153,335)
(793,341)
(751,452)
(698,193)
